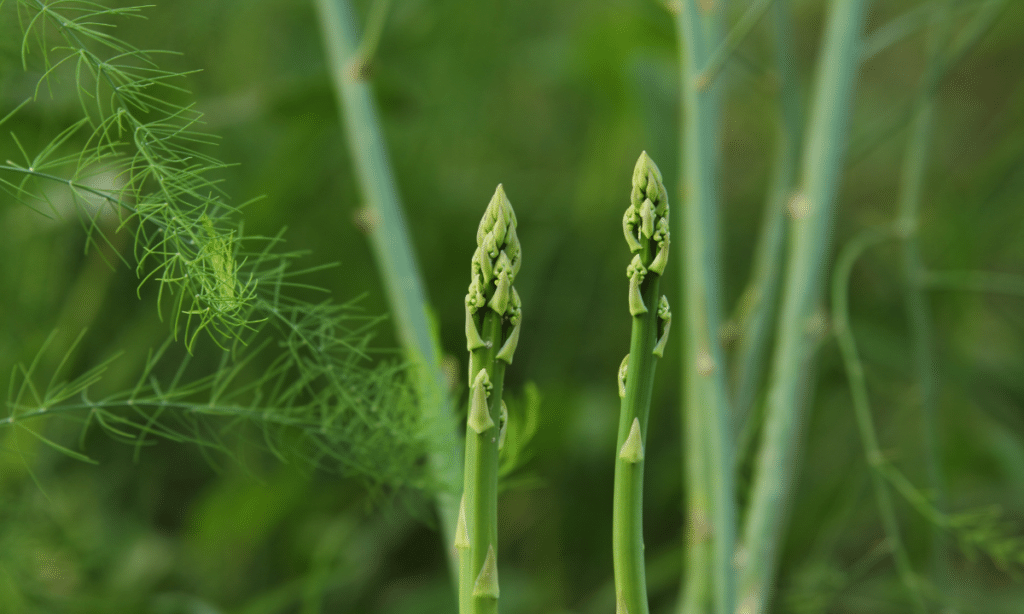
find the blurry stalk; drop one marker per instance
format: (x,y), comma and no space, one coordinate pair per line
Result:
(758,305)
(974,281)
(912,177)
(646,228)
(392,248)
(919,316)
(812,211)
(711,507)
(862,408)
(732,40)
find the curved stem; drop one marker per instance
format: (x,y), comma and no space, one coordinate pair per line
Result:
(862,406)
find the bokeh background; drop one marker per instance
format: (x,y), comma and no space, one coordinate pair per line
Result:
(555,100)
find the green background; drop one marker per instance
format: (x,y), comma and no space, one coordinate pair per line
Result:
(555,100)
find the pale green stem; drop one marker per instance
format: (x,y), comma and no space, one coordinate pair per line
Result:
(732,41)
(984,18)
(759,304)
(371,36)
(707,416)
(480,488)
(862,407)
(627,503)
(392,248)
(810,233)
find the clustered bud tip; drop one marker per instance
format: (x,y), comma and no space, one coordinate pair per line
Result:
(494,268)
(646,227)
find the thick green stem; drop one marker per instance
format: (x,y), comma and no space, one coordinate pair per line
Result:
(480,488)
(707,414)
(813,210)
(645,226)
(493,314)
(392,248)
(627,506)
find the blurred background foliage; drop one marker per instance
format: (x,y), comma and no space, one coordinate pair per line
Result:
(554,100)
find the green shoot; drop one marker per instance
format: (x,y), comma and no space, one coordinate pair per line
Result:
(493,319)
(646,228)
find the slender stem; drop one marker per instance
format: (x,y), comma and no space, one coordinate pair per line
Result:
(374,29)
(918,309)
(704,374)
(810,236)
(724,51)
(760,299)
(862,407)
(392,248)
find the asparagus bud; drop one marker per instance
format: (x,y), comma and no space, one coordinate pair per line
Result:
(645,223)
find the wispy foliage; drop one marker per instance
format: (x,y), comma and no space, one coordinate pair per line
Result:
(135,131)
(315,394)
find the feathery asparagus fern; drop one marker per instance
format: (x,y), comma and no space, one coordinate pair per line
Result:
(313,396)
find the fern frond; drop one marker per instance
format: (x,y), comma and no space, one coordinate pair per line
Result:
(294,377)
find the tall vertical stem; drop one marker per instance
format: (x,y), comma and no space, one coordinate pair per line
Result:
(646,229)
(813,211)
(491,303)
(758,305)
(627,506)
(392,247)
(707,415)
(480,488)
(918,310)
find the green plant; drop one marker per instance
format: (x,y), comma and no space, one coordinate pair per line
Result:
(812,210)
(141,170)
(230,346)
(393,250)
(493,320)
(646,227)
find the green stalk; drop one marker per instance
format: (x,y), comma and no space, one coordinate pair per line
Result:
(707,417)
(862,408)
(918,310)
(646,229)
(493,315)
(392,247)
(813,211)
(758,306)
(974,281)
(732,41)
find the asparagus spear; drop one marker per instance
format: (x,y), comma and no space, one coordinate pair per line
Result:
(645,225)
(493,316)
